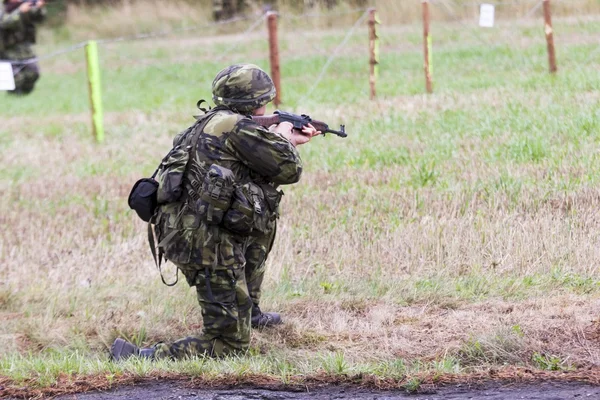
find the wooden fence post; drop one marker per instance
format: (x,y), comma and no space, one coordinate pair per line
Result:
(427,47)
(274,55)
(373,52)
(93,76)
(549,36)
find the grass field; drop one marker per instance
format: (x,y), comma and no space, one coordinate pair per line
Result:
(451,233)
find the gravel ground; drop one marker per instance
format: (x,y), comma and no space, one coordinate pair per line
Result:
(177,391)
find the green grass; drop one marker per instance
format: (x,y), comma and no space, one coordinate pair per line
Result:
(461,223)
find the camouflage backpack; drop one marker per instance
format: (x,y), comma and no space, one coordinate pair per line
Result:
(166,183)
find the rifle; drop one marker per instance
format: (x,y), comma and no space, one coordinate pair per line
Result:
(298,121)
(10,7)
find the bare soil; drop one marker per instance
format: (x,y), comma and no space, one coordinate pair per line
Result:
(177,390)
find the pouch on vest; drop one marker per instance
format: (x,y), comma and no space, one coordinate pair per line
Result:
(272,198)
(239,218)
(173,168)
(266,205)
(170,175)
(216,194)
(263,200)
(142,198)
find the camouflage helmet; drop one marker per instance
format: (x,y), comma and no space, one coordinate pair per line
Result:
(243,88)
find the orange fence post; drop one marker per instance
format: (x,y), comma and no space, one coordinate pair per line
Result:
(427,47)
(274,55)
(373,52)
(549,36)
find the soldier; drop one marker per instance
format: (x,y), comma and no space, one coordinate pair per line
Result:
(226,9)
(224,220)
(17,36)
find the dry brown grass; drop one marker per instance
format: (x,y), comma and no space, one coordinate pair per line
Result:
(477,246)
(77,267)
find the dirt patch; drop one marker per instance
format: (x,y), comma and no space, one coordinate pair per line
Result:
(178,390)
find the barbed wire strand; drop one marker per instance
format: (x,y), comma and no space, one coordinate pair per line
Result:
(309,41)
(334,55)
(152,35)
(450,12)
(155,34)
(47,56)
(142,36)
(172,74)
(250,29)
(447,9)
(494,3)
(312,15)
(323,15)
(534,9)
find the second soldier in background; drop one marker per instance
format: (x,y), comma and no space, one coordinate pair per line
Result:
(17,37)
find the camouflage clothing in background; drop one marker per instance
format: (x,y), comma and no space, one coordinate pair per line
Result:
(212,258)
(226,9)
(17,37)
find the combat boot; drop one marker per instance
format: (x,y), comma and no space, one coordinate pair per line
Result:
(122,349)
(264,319)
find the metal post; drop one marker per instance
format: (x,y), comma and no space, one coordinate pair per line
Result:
(93,74)
(274,54)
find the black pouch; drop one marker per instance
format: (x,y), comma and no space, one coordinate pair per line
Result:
(142,198)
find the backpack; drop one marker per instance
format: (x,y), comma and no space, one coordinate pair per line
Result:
(166,183)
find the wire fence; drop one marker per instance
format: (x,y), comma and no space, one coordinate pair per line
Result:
(321,63)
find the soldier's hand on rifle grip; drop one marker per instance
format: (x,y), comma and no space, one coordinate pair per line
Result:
(310,131)
(303,136)
(296,137)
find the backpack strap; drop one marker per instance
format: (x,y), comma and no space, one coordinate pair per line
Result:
(191,142)
(157,254)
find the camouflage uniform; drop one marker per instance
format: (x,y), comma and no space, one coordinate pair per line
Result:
(225,9)
(212,258)
(257,253)
(17,36)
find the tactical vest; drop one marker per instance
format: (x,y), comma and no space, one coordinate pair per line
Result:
(201,200)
